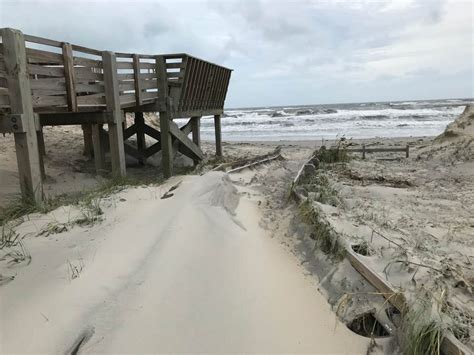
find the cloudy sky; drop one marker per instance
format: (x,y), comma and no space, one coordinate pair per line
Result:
(282,52)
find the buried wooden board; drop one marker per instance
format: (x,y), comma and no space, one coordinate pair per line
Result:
(450,345)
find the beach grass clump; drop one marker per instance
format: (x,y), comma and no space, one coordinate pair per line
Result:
(327,240)
(320,188)
(20,206)
(422,327)
(336,153)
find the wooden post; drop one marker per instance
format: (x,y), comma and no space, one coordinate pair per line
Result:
(363,151)
(196,131)
(141,144)
(407,151)
(88,144)
(112,99)
(99,152)
(165,117)
(217,126)
(26,141)
(137,81)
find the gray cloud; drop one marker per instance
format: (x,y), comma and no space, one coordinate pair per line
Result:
(283,52)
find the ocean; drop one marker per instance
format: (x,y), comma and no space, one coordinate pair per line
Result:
(355,120)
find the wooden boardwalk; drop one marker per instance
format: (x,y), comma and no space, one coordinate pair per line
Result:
(45,82)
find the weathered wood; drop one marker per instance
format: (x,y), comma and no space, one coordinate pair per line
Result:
(34,69)
(70,77)
(95,88)
(137,82)
(190,149)
(99,151)
(41,40)
(87,62)
(150,131)
(141,143)
(75,118)
(87,136)
(124,65)
(196,131)
(165,119)
(26,143)
(93,99)
(217,127)
(88,74)
(117,152)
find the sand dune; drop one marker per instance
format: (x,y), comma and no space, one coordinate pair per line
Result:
(190,273)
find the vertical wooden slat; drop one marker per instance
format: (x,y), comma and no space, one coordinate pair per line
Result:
(141,144)
(138,84)
(191,69)
(70,77)
(165,117)
(112,100)
(196,132)
(26,142)
(217,127)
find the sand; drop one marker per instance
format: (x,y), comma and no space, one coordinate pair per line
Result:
(225,264)
(191,273)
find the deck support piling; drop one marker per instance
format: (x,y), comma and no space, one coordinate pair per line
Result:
(141,144)
(165,117)
(26,140)
(99,151)
(166,145)
(112,98)
(217,126)
(196,132)
(88,145)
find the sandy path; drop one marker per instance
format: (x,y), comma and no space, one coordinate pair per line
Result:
(171,275)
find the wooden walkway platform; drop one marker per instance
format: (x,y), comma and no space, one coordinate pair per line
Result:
(46,82)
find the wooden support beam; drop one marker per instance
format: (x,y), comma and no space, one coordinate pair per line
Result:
(99,151)
(141,143)
(217,127)
(76,118)
(112,99)
(165,118)
(87,134)
(69,75)
(196,131)
(26,142)
(138,82)
(186,146)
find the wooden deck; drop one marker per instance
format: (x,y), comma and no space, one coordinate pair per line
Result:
(46,82)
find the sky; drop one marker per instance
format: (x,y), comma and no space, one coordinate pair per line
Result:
(282,52)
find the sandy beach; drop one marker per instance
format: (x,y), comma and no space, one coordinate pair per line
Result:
(215,262)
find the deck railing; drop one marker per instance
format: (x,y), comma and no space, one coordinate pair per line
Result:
(66,77)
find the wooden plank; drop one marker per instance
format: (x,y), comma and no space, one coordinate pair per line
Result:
(449,344)
(141,142)
(41,40)
(117,152)
(26,142)
(145,65)
(165,119)
(86,50)
(195,151)
(95,88)
(47,92)
(150,131)
(175,65)
(39,56)
(137,82)
(187,82)
(99,151)
(86,62)
(155,148)
(93,99)
(217,127)
(49,83)
(86,73)
(129,131)
(4,101)
(127,86)
(70,77)
(124,65)
(34,69)
(149,95)
(48,100)
(75,118)
(126,98)
(148,84)
(196,130)
(123,77)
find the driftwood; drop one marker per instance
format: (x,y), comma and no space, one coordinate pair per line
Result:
(278,156)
